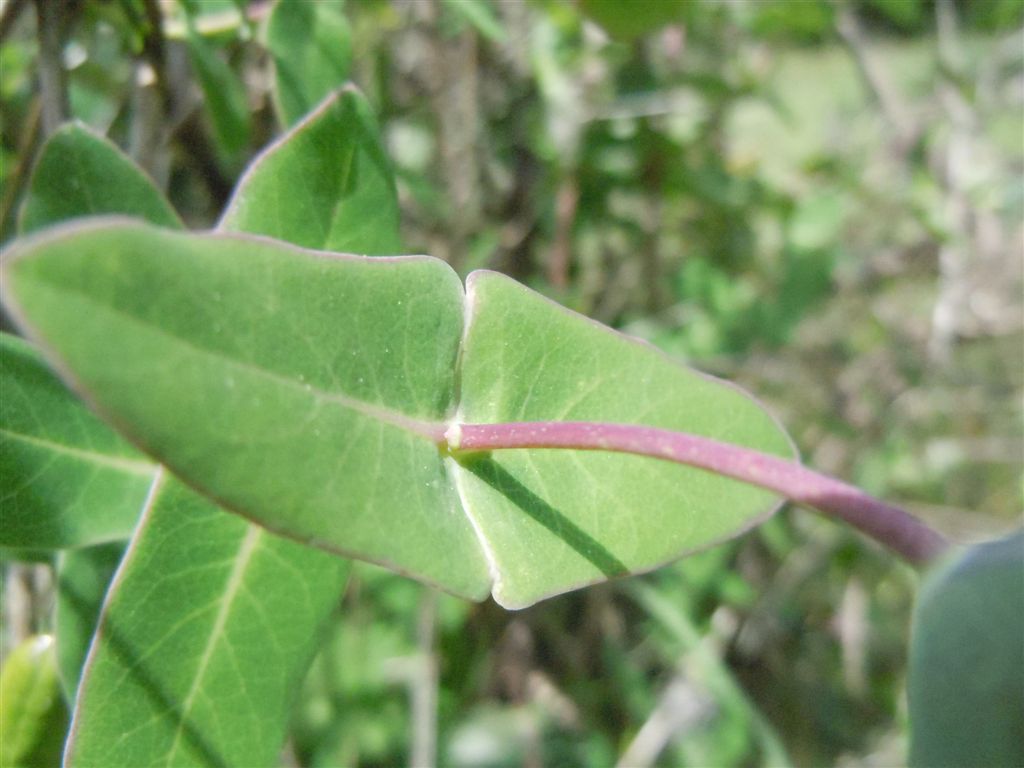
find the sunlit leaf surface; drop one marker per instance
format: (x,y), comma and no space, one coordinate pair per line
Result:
(285,571)
(310,392)
(556,519)
(203,642)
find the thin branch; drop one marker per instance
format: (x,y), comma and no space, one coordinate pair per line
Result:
(154,49)
(423,685)
(52,78)
(19,174)
(566,205)
(200,153)
(874,75)
(956,162)
(883,522)
(9,17)
(681,708)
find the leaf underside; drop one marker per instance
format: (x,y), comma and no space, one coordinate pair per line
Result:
(306,391)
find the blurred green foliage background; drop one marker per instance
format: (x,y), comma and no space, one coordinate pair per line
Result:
(823,201)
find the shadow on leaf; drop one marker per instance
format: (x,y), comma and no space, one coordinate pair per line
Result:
(501,480)
(132,658)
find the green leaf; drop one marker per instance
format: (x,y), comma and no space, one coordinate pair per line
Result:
(327,184)
(904,14)
(966,680)
(215,19)
(310,44)
(310,392)
(82,579)
(480,15)
(79,173)
(223,93)
(299,420)
(633,19)
(33,718)
(66,478)
(84,575)
(203,641)
(555,520)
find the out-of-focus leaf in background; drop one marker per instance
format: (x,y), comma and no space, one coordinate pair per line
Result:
(83,575)
(33,715)
(223,91)
(311,49)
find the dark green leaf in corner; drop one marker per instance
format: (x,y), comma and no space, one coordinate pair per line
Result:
(966,681)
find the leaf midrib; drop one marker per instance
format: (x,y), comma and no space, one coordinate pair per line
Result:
(233,587)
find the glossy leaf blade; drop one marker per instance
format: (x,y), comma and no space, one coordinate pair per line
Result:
(553,520)
(210,685)
(66,478)
(326,184)
(310,44)
(79,173)
(966,679)
(302,389)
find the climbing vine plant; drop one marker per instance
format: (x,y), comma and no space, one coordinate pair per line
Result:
(255,402)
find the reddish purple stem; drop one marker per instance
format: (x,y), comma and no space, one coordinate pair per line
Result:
(883,522)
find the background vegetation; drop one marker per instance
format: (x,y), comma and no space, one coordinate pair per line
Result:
(821,201)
